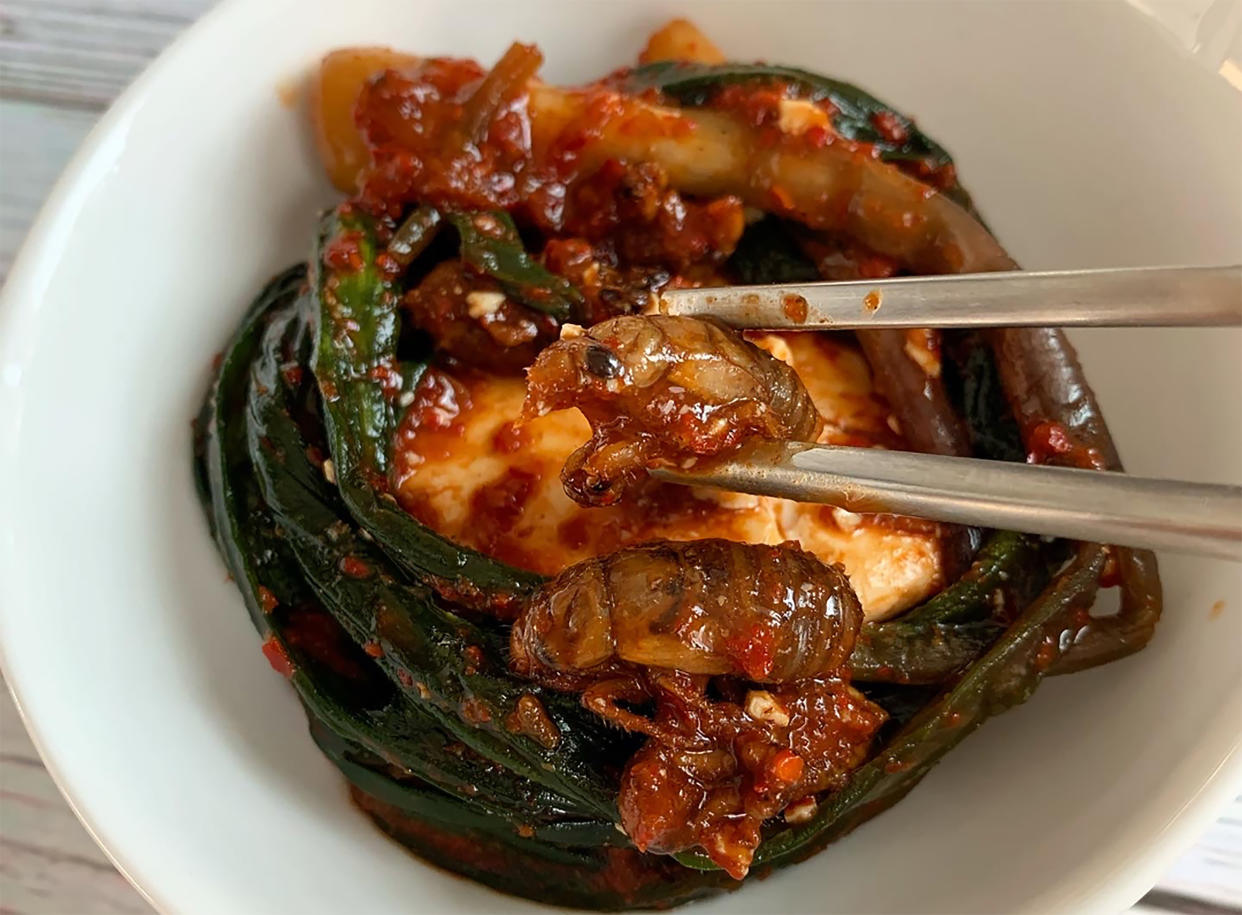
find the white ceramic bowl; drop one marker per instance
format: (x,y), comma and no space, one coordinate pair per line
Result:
(1087,138)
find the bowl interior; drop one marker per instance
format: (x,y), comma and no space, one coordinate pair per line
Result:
(1087,139)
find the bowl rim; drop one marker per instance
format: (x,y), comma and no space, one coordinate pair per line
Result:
(32,270)
(29,274)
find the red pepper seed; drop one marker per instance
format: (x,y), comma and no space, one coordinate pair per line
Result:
(786,767)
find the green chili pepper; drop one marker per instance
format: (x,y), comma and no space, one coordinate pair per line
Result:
(359,704)
(355,365)
(856,114)
(487,774)
(455,669)
(491,245)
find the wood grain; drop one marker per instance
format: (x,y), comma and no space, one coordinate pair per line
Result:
(82,53)
(35,143)
(48,863)
(61,63)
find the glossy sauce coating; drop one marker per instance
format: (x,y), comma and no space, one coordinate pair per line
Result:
(767,613)
(637,185)
(764,755)
(664,390)
(642,184)
(472,321)
(688,629)
(466,467)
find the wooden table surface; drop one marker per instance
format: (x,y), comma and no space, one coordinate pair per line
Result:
(61,63)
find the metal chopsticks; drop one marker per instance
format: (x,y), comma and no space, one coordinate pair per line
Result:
(1128,297)
(1080,504)
(1099,506)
